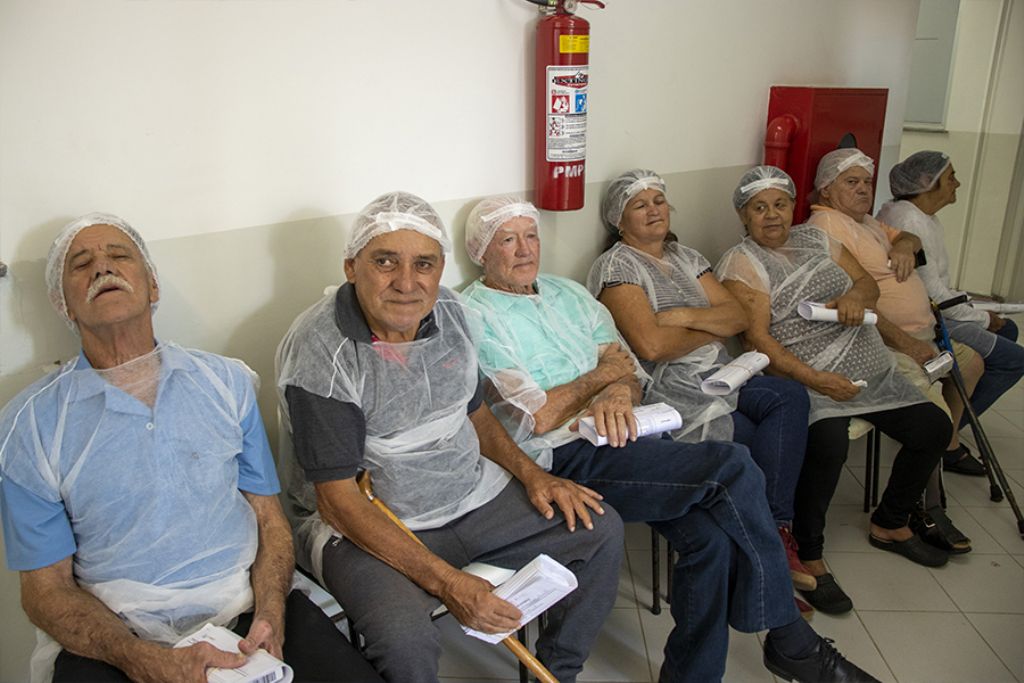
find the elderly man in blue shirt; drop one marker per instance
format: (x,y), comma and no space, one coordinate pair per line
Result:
(139,496)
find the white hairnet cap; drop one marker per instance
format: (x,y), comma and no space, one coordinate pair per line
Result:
(917,173)
(835,162)
(396,211)
(59,253)
(625,187)
(762,178)
(489,215)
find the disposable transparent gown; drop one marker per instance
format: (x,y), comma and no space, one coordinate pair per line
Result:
(164,542)
(523,356)
(671,282)
(803,269)
(421,449)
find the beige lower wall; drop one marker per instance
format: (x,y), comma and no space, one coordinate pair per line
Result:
(974,225)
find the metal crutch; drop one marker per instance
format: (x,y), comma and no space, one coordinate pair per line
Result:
(996,478)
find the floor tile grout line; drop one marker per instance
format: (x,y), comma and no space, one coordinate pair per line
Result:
(874,643)
(987,644)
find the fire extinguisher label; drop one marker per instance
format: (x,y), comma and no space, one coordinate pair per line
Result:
(567,113)
(574,44)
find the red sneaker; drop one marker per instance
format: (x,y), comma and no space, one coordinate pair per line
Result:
(801,575)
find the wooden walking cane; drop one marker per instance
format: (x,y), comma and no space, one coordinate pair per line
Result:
(511,642)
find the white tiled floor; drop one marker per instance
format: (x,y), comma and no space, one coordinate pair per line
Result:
(962,622)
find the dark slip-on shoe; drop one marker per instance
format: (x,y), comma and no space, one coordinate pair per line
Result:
(828,597)
(914,549)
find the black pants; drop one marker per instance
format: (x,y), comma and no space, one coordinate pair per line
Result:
(313,647)
(924,432)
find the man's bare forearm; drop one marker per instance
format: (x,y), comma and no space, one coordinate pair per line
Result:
(271,572)
(567,400)
(497,445)
(893,336)
(346,509)
(77,620)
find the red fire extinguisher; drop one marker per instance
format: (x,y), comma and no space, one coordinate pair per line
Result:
(560,123)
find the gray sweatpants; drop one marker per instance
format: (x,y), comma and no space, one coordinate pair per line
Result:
(393,614)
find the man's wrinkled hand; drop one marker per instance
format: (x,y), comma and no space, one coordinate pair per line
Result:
(470,600)
(612,410)
(263,634)
(185,664)
(575,501)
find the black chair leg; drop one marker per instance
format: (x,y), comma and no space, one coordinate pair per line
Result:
(876,456)
(869,471)
(670,557)
(655,572)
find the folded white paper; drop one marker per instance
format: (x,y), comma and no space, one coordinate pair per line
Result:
(735,374)
(261,667)
(532,589)
(939,367)
(651,419)
(811,310)
(996,307)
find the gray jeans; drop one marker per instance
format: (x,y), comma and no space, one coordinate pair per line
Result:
(393,614)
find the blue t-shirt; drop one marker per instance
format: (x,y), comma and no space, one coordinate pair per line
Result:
(145,494)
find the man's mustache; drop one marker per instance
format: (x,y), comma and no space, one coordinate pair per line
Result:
(106,282)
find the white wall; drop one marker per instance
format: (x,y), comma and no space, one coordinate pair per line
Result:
(240,136)
(982,137)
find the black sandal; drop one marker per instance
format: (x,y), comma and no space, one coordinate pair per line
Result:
(954,540)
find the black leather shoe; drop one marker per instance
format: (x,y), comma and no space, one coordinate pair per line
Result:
(824,665)
(914,549)
(828,597)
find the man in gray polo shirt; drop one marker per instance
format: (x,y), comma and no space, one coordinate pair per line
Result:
(382,376)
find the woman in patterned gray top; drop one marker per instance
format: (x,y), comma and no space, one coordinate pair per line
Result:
(675,315)
(845,366)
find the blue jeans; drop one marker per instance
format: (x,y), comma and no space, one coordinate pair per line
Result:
(708,500)
(771,420)
(1004,366)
